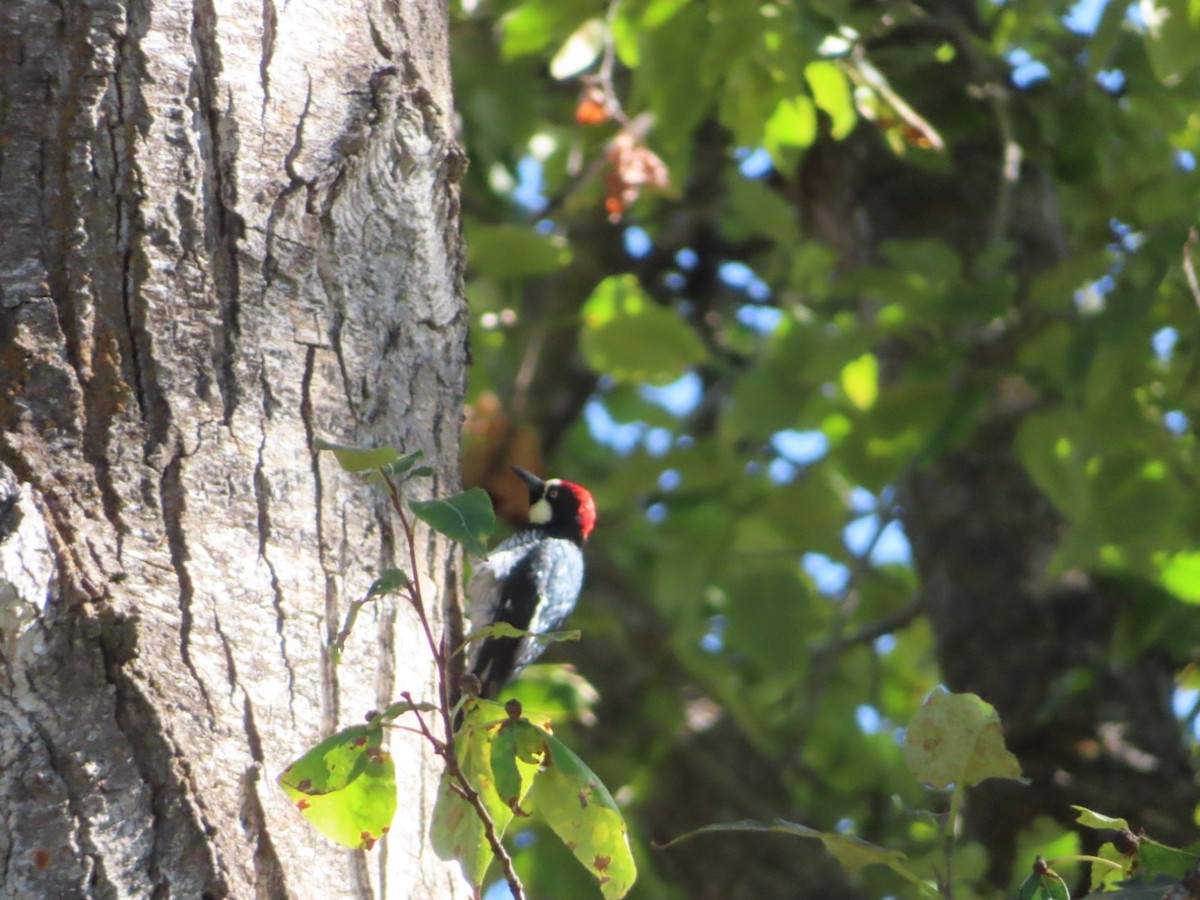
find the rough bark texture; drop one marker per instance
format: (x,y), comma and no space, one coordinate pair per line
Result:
(228,227)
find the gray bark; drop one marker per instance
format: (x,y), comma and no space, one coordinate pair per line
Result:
(227,228)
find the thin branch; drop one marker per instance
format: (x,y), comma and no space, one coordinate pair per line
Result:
(605,76)
(418,603)
(897,620)
(468,793)
(1189,265)
(1010,163)
(446,748)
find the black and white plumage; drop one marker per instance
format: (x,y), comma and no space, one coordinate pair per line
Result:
(532,580)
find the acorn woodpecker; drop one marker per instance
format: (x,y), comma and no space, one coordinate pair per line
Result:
(532,580)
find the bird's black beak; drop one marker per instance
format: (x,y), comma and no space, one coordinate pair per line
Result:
(536,485)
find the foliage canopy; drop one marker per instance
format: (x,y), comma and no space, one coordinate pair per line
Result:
(872,328)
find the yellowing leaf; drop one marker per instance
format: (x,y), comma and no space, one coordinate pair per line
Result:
(957,739)
(790,129)
(860,381)
(1180,573)
(345,787)
(831,91)
(456,831)
(581,811)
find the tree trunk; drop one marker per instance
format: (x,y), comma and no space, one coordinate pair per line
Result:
(228,228)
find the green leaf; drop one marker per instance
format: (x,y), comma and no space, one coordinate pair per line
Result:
(358,459)
(505,630)
(580,810)
(860,381)
(1173,43)
(1159,859)
(396,710)
(957,739)
(1046,886)
(466,518)
(792,127)
(530,26)
(510,783)
(557,691)
(1090,819)
(505,252)
(580,51)
(389,582)
(630,337)
(345,786)
(400,467)
(831,92)
(853,853)
(456,831)
(1180,574)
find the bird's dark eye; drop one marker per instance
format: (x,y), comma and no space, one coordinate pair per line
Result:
(552,493)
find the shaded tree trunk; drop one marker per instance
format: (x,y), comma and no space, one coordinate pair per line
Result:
(228,228)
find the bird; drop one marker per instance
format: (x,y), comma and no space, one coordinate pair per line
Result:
(532,580)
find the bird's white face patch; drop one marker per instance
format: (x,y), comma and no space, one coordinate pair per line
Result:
(540,513)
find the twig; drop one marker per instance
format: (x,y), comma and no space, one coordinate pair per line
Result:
(445,748)
(887,624)
(418,603)
(1010,163)
(605,76)
(468,793)
(1189,266)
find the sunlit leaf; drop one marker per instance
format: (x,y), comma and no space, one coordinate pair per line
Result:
(580,810)
(1173,42)
(358,459)
(957,739)
(860,381)
(831,92)
(511,783)
(395,710)
(1181,575)
(790,129)
(456,830)
(1091,819)
(580,51)
(345,786)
